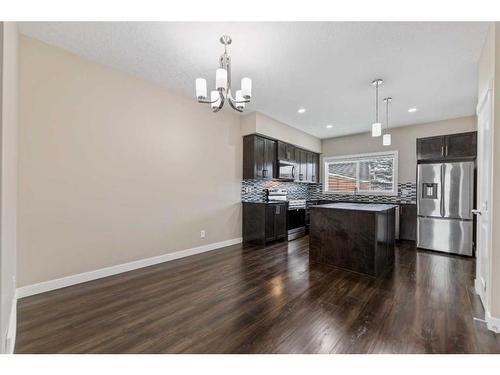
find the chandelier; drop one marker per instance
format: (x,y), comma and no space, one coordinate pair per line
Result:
(223,92)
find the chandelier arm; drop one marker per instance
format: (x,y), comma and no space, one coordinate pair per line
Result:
(206,101)
(231,103)
(221,97)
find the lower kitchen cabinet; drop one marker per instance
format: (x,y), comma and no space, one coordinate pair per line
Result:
(264,222)
(408,222)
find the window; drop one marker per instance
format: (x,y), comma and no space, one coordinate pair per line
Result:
(371,174)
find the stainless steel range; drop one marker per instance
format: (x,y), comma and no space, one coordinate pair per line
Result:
(296,217)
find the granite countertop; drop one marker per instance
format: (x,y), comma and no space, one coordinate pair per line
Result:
(376,207)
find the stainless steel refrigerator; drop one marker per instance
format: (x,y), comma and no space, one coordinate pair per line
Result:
(445,199)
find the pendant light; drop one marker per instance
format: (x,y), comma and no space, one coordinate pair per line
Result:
(386,139)
(376,126)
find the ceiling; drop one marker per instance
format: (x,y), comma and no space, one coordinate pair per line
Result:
(325,67)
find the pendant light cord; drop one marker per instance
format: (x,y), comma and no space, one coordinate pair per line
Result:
(376,102)
(387,115)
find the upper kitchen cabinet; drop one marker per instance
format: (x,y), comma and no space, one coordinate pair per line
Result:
(301,165)
(312,168)
(463,145)
(315,168)
(430,148)
(259,157)
(286,151)
(451,146)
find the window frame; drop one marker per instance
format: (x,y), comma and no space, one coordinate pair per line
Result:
(357,158)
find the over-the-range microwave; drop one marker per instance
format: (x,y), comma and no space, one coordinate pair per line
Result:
(286,170)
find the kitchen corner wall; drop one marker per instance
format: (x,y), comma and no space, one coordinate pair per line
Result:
(113,168)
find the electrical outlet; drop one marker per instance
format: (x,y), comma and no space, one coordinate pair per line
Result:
(248,189)
(202,234)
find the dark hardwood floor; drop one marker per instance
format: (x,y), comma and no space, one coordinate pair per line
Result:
(264,300)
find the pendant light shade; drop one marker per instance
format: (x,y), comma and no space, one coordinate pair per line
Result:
(376,126)
(386,139)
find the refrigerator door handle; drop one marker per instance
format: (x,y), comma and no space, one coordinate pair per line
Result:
(442,190)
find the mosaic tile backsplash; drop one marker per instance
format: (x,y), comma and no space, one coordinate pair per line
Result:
(253,190)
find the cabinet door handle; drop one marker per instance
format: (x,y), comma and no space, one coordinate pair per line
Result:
(277,211)
(446,150)
(442,150)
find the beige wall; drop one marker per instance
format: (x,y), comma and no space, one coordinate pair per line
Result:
(113,168)
(403,140)
(8,178)
(257,122)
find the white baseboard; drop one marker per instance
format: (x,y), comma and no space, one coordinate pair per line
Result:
(479,288)
(492,322)
(11,330)
(63,282)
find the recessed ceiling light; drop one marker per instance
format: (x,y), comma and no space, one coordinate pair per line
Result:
(411,110)
(329,126)
(301,110)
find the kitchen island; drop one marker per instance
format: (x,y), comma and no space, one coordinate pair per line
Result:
(355,236)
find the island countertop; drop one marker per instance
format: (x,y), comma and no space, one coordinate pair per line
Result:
(375,207)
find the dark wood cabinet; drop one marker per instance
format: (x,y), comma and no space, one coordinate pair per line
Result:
(408,222)
(312,167)
(463,145)
(301,165)
(309,166)
(264,222)
(430,148)
(286,151)
(259,157)
(451,146)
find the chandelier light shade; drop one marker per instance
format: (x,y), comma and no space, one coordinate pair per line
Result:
(221,79)
(386,139)
(215,99)
(376,126)
(223,92)
(201,88)
(246,87)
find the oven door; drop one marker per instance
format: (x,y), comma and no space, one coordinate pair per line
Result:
(286,170)
(296,223)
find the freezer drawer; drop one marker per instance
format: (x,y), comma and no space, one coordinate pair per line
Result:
(451,236)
